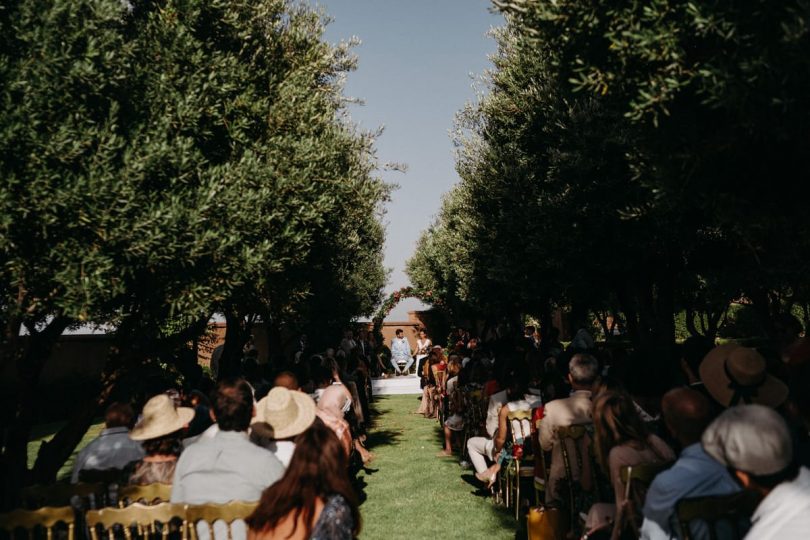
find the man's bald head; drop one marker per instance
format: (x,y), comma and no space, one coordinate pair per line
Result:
(687,413)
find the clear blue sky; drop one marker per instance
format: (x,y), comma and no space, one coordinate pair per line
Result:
(414,74)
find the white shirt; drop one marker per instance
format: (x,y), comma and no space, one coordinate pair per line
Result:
(225,467)
(283,450)
(785,513)
(422,346)
(209,433)
(112,449)
(496,401)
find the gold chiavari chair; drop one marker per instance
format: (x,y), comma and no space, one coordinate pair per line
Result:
(47,518)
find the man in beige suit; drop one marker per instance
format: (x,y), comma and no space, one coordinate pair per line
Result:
(583,370)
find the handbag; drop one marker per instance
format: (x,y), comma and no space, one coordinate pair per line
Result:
(546,524)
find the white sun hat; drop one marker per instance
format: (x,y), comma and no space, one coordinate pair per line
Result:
(161,417)
(286,412)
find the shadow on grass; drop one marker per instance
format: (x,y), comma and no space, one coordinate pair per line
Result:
(386,437)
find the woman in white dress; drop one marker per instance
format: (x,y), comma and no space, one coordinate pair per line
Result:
(423,345)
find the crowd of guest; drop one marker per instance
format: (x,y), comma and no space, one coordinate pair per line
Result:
(292,444)
(714,420)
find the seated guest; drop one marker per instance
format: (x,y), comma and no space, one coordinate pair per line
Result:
(330,411)
(314,499)
(428,406)
(280,416)
(455,422)
(160,434)
(735,375)
(686,414)
(226,466)
(112,449)
(518,399)
(286,379)
(574,410)
(202,413)
(754,442)
(622,439)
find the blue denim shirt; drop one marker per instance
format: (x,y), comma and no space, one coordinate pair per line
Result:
(400,349)
(695,474)
(112,449)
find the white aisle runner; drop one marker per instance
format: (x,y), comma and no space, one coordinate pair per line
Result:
(396,385)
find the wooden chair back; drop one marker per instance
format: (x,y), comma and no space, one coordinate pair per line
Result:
(147,494)
(61,494)
(475,410)
(577,440)
(143,518)
(210,513)
(734,511)
(640,476)
(47,518)
(520,425)
(637,480)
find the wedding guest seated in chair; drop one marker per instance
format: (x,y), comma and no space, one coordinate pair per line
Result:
(160,432)
(755,443)
(315,499)
(227,466)
(621,440)
(686,413)
(280,416)
(583,372)
(113,448)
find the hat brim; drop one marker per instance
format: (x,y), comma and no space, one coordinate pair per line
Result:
(302,421)
(771,393)
(144,431)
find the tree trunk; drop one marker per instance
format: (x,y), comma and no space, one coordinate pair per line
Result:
(628,307)
(690,322)
(229,362)
(30,363)
(53,454)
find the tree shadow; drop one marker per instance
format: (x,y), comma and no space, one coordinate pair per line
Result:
(386,437)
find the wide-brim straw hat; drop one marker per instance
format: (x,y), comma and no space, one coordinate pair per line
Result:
(736,375)
(283,413)
(161,417)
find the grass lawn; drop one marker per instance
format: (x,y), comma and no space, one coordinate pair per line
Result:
(45,432)
(412,493)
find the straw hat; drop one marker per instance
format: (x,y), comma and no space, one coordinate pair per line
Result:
(161,417)
(735,375)
(285,412)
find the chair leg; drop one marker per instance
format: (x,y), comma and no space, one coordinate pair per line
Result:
(517,489)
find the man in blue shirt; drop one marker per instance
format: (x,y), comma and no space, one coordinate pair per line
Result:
(401,353)
(686,413)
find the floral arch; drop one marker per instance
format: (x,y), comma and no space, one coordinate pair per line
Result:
(394,299)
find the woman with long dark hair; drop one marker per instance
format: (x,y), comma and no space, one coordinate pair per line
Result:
(314,500)
(620,439)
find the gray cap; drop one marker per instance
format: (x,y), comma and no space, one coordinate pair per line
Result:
(750,438)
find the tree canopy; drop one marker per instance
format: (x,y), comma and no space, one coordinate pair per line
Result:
(163,161)
(641,159)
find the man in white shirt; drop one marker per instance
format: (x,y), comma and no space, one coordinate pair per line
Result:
(401,353)
(755,443)
(226,466)
(112,449)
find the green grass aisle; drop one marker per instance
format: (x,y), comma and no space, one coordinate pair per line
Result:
(413,494)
